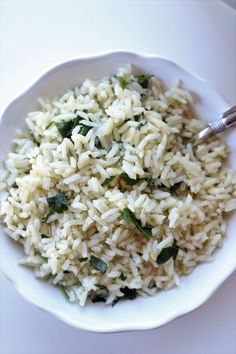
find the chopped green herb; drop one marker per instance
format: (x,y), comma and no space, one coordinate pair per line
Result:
(84,130)
(96,297)
(143,80)
(61,287)
(171,189)
(39,254)
(98,143)
(141,124)
(82,259)
(102,287)
(66,128)
(49,125)
(47,216)
(167,253)
(35,140)
(128,215)
(99,295)
(44,236)
(57,204)
(129,294)
(117,299)
(130,181)
(122,82)
(98,264)
(151,284)
(108,180)
(122,276)
(175,186)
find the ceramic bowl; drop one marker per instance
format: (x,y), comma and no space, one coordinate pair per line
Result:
(142,313)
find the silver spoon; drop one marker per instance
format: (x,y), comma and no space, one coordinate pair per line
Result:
(226,121)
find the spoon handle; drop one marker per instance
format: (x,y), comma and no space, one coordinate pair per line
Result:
(227,120)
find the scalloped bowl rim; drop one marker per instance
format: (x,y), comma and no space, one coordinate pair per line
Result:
(143,324)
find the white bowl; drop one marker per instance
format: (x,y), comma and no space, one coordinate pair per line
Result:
(142,313)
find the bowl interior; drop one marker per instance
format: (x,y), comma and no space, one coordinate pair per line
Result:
(142,313)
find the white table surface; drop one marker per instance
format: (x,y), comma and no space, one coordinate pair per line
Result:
(200,35)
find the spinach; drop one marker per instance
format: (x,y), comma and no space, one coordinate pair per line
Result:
(122,82)
(167,253)
(143,80)
(108,180)
(62,288)
(98,264)
(122,276)
(128,215)
(99,295)
(44,236)
(82,259)
(57,204)
(66,128)
(129,294)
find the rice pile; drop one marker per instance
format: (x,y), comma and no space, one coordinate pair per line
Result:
(106,193)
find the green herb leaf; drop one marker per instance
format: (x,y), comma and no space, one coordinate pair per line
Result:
(175,186)
(143,80)
(38,253)
(122,276)
(96,297)
(130,181)
(129,294)
(122,82)
(102,287)
(167,253)
(49,125)
(99,295)
(66,128)
(84,130)
(57,204)
(128,215)
(35,140)
(108,180)
(117,299)
(46,217)
(44,236)
(82,259)
(133,182)
(98,143)
(62,288)
(98,264)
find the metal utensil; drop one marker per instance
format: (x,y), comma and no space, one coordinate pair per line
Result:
(226,121)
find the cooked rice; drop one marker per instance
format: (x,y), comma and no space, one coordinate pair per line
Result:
(145,133)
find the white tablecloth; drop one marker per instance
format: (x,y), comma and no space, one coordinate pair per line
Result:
(35,35)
